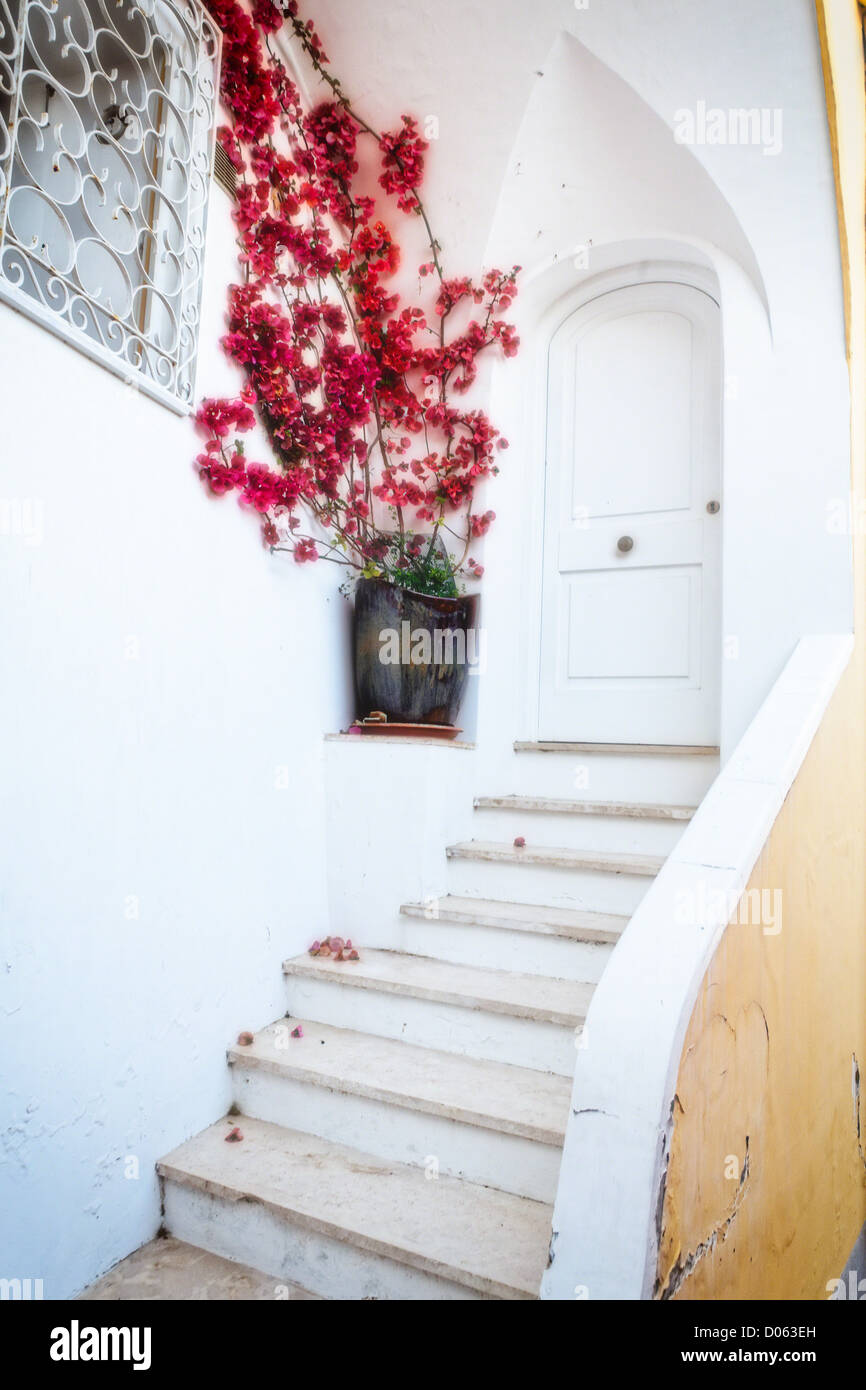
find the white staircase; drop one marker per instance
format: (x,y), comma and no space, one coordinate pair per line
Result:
(408,1145)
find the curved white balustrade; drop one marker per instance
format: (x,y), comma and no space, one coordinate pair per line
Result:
(605,1243)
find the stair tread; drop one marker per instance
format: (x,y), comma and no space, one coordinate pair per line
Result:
(573,923)
(679,750)
(493,1095)
(488,1240)
(556,856)
(537,997)
(639,810)
(169,1270)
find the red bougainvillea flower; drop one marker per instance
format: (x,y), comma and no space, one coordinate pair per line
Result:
(355,390)
(267,16)
(221,417)
(480,525)
(403,163)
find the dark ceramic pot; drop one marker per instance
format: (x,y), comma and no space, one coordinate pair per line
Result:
(413,652)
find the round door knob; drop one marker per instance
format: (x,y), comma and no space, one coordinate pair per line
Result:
(625,544)
(713,507)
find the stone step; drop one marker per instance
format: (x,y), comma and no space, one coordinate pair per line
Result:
(348,1225)
(525,917)
(628,750)
(170,1271)
(557,857)
(608,827)
(490,991)
(643,774)
(499,1125)
(525,1020)
(491,1095)
(563,945)
(582,880)
(565,806)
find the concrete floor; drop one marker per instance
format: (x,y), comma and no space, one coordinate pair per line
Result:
(168,1269)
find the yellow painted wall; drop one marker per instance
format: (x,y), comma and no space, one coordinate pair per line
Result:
(769,1054)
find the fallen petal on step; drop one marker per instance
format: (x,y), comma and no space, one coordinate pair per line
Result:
(234,1136)
(245,1039)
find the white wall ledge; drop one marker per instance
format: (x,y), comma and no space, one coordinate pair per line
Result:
(605,1238)
(404,739)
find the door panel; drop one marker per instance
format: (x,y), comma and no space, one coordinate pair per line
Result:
(630,630)
(650,353)
(635,624)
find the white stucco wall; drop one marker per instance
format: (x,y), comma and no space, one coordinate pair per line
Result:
(165,689)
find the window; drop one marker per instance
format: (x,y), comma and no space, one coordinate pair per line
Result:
(106,135)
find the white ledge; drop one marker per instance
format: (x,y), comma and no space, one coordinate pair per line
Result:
(605,1237)
(399,738)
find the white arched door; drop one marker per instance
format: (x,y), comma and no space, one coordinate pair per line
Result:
(631,593)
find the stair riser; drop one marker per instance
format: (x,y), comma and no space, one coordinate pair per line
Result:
(589,890)
(492,1037)
(616,834)
(527,953)
(605,777)
(292,1253)
(432,1142)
